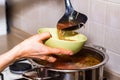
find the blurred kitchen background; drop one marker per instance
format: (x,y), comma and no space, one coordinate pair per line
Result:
(102,27)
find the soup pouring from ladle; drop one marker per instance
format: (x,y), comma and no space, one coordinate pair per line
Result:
(70,21)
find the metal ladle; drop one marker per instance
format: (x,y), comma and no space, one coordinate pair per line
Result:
(72,19)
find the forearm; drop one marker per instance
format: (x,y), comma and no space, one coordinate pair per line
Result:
(7,58)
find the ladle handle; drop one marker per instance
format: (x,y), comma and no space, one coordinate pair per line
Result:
(68,6)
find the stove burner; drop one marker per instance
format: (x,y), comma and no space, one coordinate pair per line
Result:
(20,67)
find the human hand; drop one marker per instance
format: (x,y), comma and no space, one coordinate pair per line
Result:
(33,47)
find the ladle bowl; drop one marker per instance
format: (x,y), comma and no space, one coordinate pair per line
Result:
(72,19)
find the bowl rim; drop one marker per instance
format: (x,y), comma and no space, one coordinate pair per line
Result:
(83,40)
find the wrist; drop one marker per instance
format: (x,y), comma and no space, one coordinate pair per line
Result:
(16,52)
(9,57)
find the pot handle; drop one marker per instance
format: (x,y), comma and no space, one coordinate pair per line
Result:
(97,47)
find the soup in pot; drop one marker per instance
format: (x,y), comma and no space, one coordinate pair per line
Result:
(71,62)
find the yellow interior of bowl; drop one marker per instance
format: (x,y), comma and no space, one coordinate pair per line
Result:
(77,37)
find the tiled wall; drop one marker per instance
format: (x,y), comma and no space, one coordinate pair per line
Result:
(102,28)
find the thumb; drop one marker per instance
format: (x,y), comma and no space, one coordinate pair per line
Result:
(42,36)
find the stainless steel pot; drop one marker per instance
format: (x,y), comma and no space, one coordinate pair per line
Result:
(89,73)
(40,73)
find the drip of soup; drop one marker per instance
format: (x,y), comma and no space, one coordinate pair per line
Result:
(70,29)
(63,33)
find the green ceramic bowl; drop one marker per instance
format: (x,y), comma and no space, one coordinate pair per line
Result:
(55,42)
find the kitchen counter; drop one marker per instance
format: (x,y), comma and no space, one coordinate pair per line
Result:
(11,39)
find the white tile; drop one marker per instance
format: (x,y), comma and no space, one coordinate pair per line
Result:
(98,11)
(81,6)
(96,34)
(29,19)
(113,64)
(16,22)
(84,30)
(50,14)
(114,1)
(113,16)
(16,7)
(112,40)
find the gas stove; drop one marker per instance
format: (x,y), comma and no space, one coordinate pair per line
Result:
(17,71)
(7,75)
(12,76)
